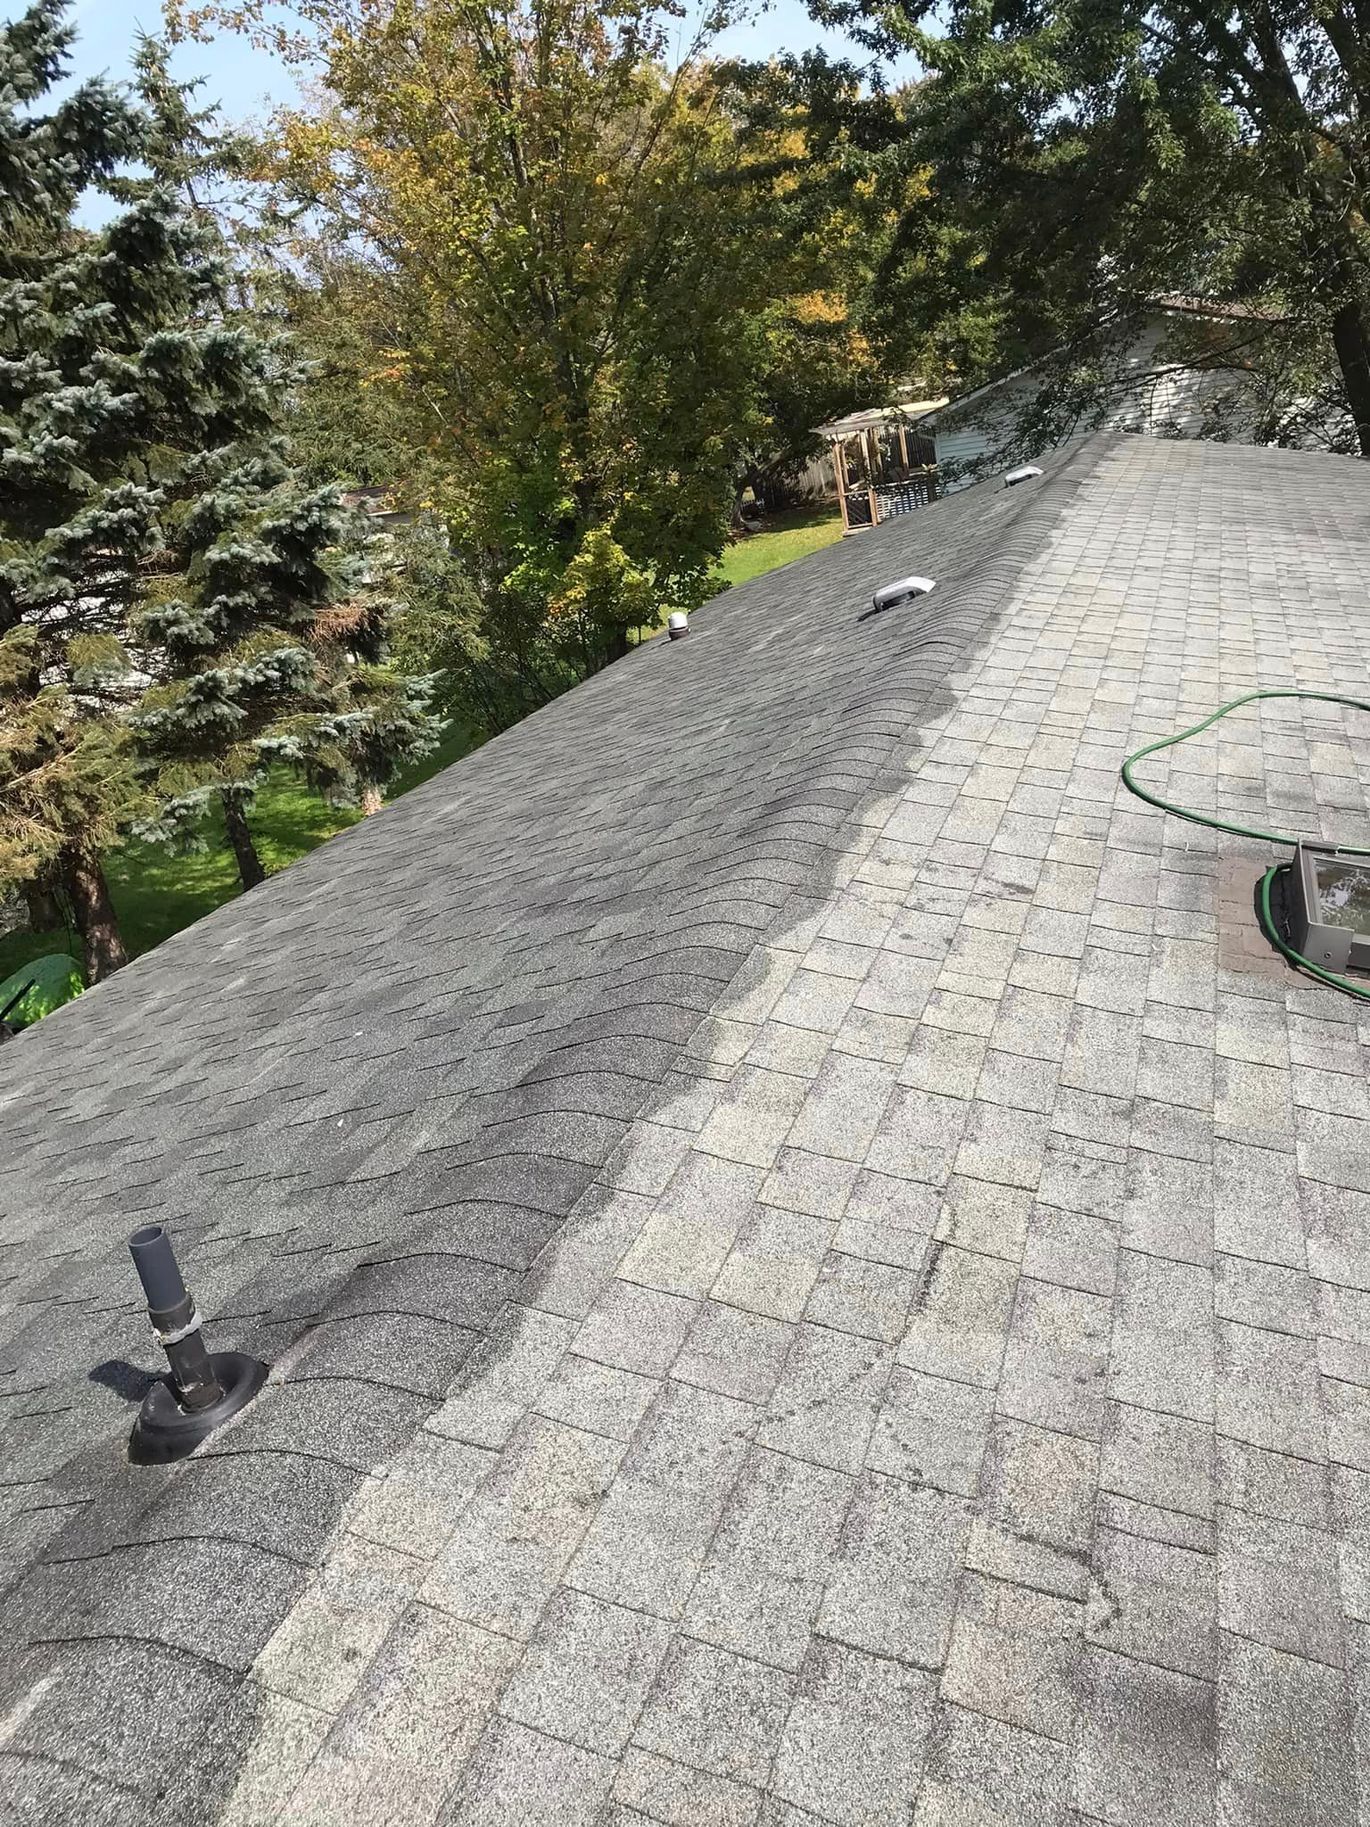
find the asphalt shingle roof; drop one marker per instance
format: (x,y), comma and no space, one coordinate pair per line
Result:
(815,1271)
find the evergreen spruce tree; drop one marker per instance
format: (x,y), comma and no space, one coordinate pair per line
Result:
(176,612)
(74,525)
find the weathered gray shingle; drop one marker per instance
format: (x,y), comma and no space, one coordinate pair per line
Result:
(816,1266)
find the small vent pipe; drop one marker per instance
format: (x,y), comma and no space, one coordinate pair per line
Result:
(204,1388)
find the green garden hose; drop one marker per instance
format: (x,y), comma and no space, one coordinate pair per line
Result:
(1267,918)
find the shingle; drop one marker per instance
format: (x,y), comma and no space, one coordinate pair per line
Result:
(320,1651)
(1268,1391)
(531,1778)
(1279,1585)
(853,1294)
(1284,1738)
(86,1707)
(1281,1299)
(658,1789)
(852,1750)
(1330,1148)
(499,1576)
(1256,1203)
(692,1437)
(354,1421)
(1146,1748)
(1072,1250)
(893,1588)
(985,1216)
(1002,1145)
(815,999)
(977,1767)
(1168,1209)
(946,1060)
(1032,1024)
(1163,1336)
(284,1743)
(577,1262)
(759,1592)
(918,1136)
(282,1502)
(774,1264)
(1274,1485)
(692,1225)
(888,1219)
(804,1182)
(1154,1602)
(215,1600)
(1014,1656)
(596,1397)
(419,1501)
(1037,1509)
(716,1712)
(824,1406)
(1080,1176)
(415,1718)
(960,1317)
(932,1432)
(647,1543)
(1158,1459)
(638,1329)
(1021,1084)
(753,1117)
(645,959)
(842,1109)
(1056,1357)
(587,1673)
(1347,1415)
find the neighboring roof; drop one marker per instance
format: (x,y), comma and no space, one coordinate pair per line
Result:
(852,422)
(1168,304)
(813,1264)
(377,504)
(1190,306)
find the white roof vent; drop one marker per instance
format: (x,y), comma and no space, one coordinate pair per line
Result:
(1025,474)
(902,591)
(677,624)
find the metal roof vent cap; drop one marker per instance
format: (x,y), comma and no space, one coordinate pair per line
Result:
(1025,474)
(902,591)
(204,1389)
(677,625)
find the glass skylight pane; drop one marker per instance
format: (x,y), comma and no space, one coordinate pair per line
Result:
(1343,892)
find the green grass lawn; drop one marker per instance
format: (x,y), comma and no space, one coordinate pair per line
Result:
(787,537)
(157,892)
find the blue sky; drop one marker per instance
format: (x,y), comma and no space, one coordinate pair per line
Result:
(247,82)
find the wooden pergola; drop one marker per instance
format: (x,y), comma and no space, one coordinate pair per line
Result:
(883,463)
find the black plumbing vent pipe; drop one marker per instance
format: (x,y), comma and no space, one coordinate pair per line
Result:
(203,1388)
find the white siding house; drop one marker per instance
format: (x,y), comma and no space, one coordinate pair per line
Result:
(1153,391)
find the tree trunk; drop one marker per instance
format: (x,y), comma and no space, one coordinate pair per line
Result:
(1352,345)
(371,800)
(93,911)
(41,901)
(250,870)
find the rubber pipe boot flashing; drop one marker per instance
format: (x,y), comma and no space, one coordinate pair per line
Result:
(202,1388)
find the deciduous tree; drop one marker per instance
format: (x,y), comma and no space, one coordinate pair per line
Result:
(1082,160)
(529,203)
